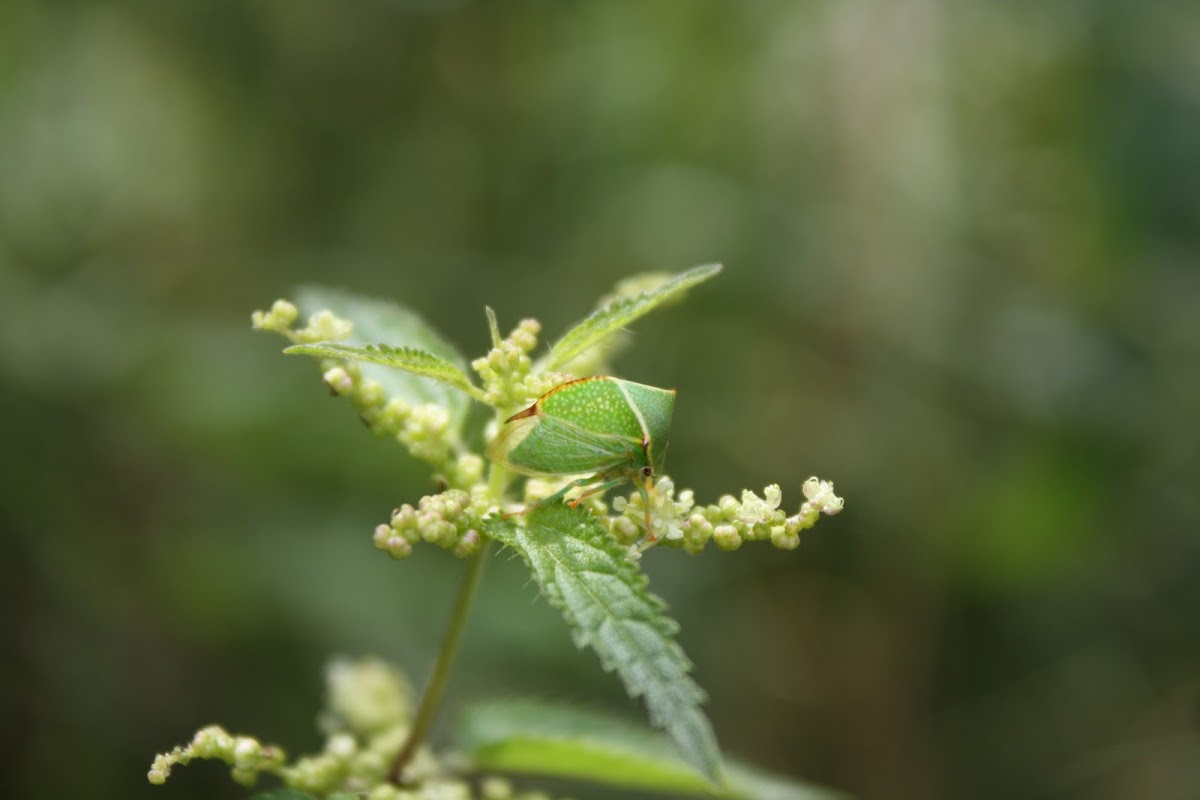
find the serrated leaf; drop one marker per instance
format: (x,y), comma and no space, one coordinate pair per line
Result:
(610,318)
(539,738)
(604,599)
(383,321)
(418,362)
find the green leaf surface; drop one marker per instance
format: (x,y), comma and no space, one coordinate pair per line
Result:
(604,599)
(382,321)
(418,362)
(282,794)
(610,318)
(538,738)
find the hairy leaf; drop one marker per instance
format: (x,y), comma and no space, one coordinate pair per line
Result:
(418,362)
(610,318)
(539,738)
(384,321)
(604,599)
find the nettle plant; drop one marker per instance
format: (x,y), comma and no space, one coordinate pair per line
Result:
(574,434)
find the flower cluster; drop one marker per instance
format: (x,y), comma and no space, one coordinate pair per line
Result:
(323,326)
(366,723)
(678,522)
(451,520)
(506,368)
(425,430)
(246,756)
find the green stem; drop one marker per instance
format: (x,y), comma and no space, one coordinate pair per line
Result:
(432,699)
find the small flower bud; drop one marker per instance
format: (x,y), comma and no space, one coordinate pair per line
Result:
(727,537)
(246,749)
(326,326)
(210,742)
(468,544)
(338,380)
(364,696)
(160,770)
(467,470)
(341,745)
(525,341)
(728,506)
(495,788)
(625,531)
(371,394)
(783,539)
(279,318)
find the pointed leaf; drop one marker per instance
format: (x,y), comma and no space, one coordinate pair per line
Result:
(384,321)
(539,738)
(610,318)
(418,362)
(603,597)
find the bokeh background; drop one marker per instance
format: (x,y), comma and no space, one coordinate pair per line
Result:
(961,245)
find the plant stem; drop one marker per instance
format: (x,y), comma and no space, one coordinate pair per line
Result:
(432,698)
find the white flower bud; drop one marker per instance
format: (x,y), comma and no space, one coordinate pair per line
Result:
(325,326)
(338,380)
(341,746)
(246,749)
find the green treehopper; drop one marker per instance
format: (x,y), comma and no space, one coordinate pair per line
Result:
(613,428)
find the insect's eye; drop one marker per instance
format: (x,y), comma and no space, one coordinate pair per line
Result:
(647,471)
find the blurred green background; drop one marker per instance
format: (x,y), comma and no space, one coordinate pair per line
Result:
(961,245)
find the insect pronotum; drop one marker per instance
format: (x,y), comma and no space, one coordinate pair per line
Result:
(612,428)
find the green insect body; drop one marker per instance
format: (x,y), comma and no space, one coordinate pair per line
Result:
(613,428)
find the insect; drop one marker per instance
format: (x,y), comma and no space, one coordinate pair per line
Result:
(613,428)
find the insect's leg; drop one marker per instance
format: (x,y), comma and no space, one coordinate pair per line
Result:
(600,487)
(556,496)
(641,487)
(562,492)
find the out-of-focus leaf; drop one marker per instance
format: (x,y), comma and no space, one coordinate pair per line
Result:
(604,599)
(381,321)
(539,738)
(610,318)
(296,794)
(418,362)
